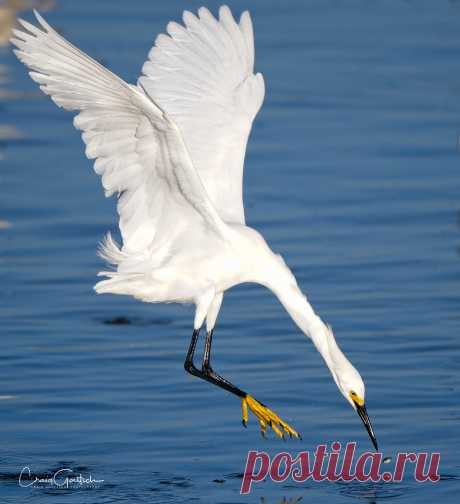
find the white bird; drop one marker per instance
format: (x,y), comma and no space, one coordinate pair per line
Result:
(172,149)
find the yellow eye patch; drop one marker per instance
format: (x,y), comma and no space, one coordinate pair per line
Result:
(356,399)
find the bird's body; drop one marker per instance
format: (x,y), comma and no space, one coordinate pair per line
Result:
(187,271)
(172,148)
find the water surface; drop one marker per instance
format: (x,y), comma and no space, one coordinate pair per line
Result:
(352,174)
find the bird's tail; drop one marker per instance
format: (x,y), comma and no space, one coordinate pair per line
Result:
(110,251)
(136,274)
(128,275)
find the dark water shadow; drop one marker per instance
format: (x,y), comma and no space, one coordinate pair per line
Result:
(121,320)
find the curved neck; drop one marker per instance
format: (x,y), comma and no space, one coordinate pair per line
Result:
(283,284)
(302,313)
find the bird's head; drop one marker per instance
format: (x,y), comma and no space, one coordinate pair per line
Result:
(350,384)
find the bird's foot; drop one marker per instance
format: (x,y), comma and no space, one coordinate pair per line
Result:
(267,418)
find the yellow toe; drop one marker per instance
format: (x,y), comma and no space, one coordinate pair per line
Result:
(266,417)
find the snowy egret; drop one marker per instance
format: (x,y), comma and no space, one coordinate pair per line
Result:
(172,148)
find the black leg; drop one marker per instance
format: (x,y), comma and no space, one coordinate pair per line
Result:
(207,372)
(188,364)
(207,351)
(266,416)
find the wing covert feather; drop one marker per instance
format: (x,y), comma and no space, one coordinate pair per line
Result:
(201,74)
(138,150)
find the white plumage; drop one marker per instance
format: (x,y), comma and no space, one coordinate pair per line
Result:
(172,148)
(202,75)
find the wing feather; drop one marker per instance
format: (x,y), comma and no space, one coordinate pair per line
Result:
(201,74)
(138,150)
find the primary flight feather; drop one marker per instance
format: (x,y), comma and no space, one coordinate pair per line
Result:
(172,148)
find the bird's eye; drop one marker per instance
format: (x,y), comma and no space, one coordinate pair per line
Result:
(353,393)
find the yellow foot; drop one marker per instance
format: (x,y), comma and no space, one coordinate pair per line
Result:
(266,418)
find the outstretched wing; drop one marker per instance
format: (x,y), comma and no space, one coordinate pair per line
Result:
(201,74)
(139,151)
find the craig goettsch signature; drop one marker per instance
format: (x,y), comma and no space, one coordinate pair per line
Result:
(62,478)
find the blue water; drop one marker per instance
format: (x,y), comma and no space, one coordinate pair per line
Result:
(352,173)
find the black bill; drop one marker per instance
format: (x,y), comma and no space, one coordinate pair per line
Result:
(362,412)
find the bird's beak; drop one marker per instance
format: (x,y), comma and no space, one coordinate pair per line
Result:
(362,412)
